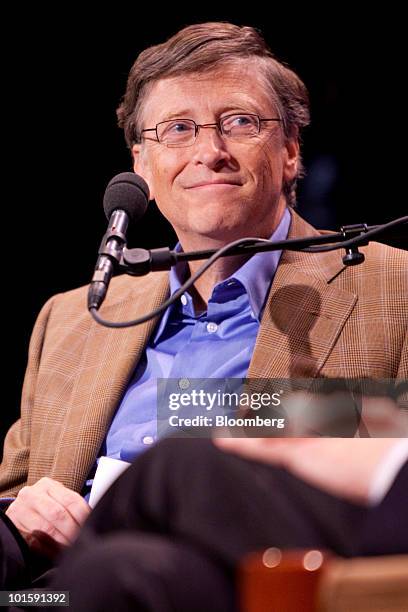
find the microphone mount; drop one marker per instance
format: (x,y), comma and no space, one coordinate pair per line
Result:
(353,256)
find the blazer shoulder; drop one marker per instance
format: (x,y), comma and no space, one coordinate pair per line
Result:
(387,260)
(380,251)
(121,288)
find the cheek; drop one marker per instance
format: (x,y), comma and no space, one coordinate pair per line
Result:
(164,184)
(158,182)
(265,166)
(272,162)
(164,172)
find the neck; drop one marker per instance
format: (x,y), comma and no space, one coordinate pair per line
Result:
(221,269)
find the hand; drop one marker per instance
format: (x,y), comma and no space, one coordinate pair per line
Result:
(341,466)
(48,515)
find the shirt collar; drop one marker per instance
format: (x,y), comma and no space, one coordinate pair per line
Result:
(255,275)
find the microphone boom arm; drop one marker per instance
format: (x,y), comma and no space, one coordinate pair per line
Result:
(138,262)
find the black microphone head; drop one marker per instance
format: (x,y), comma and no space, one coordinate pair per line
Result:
(129,192)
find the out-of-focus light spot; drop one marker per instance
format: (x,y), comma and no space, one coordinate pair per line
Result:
(312,560)
(272,557)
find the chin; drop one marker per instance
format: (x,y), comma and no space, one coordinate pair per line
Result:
(223,233)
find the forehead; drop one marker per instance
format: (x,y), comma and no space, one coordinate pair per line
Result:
(240,87)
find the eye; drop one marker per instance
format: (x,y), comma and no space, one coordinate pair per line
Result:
(177,127)
(240,124)
(241,120)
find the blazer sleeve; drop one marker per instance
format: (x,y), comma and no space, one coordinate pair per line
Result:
(16,452)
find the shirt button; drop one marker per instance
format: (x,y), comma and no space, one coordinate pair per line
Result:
(212,327)
(183,300)
(147,439)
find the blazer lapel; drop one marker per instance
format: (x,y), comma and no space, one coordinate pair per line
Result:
(107,363)
(304,314)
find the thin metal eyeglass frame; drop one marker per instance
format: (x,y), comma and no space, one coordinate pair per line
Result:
(197,126)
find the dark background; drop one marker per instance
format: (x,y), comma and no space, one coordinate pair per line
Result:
(62,80)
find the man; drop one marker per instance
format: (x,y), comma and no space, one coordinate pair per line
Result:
(213,122)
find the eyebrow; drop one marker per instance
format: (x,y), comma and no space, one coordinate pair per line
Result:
(183,114)
(186,113)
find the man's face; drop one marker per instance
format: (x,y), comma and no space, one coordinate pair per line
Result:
(216,189)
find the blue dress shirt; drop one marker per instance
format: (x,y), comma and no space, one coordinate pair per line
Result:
(217,343)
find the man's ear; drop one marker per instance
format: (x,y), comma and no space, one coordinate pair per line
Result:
(291,162)
(140,166)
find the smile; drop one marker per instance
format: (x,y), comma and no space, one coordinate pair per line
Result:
(218,185)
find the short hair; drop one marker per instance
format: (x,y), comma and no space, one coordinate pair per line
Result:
(207,47)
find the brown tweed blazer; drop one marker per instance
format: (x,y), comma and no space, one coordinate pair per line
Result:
(320,319)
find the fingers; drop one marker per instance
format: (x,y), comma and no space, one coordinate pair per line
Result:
(51,509)
(29,521)
(70,500)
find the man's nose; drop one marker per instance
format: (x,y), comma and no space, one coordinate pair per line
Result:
(210,147)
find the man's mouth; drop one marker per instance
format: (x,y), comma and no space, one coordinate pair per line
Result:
(214,184)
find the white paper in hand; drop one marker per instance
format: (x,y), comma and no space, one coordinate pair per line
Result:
(107,472)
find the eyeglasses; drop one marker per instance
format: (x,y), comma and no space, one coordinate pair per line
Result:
(183,132)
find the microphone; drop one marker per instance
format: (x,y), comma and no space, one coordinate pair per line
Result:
(125,200)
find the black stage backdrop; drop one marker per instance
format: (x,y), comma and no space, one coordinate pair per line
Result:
(63,76)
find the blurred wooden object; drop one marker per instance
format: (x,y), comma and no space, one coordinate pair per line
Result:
(316,581)
(372,584)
